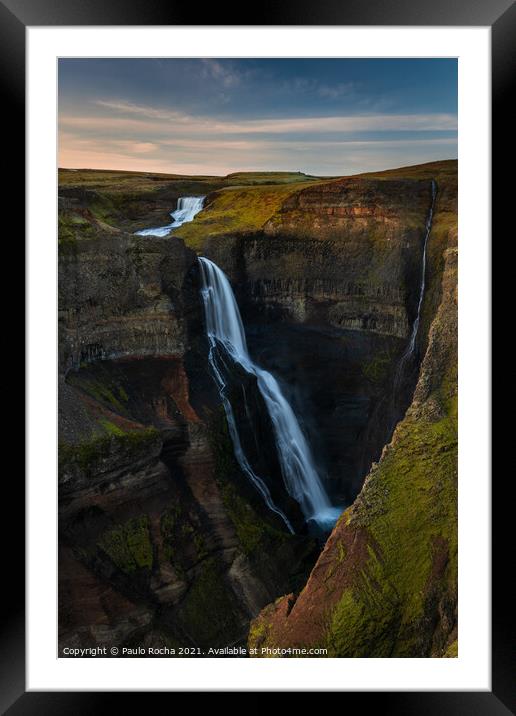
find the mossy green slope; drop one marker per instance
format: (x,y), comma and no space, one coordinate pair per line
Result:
(386,582)
(129,545)
(409,512)
(236,210)
(250,208)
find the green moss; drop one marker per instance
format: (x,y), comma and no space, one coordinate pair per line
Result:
(129,545)
(341,556)
(111,428)
(103,208)
(72,227)
(257,632)
(407,516)
(65,232)
(171,519)
(84,455)
(136,439)
(209,609)
(256,178)
(411,505)
(253,532)
(88,455)
(102,389)
(200,545)
(377,369)
(445,170)
(452,652)
(236,210)
(127,182)
(365,615)
(118,198)
(179,536)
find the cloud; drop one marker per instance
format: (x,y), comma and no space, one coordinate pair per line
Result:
(142,110)
(141,147)
(312,86)
(128,135)
(222,73)
(156,119)
(336,91)
(222,156)
(349,123)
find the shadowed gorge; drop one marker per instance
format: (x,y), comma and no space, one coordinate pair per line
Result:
(228,355)
(346,291)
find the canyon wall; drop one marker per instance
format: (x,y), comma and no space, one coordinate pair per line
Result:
(328,291)
(162,538)
(386,581)
(346,254)
(123,295)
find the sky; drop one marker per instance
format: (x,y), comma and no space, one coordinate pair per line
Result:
(325,117)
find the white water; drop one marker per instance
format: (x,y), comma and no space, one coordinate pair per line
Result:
(187,208)
(224,325)
(415,326)
(428,228)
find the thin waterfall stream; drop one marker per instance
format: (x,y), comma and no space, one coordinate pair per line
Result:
(226,333)
(225,329)
(409,351)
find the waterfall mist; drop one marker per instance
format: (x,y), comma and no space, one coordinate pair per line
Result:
(225,331)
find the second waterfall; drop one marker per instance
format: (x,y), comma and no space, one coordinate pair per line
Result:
(226,333)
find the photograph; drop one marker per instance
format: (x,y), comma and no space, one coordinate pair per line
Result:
(257,357)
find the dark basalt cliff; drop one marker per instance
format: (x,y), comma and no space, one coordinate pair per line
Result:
(386,581)
(123,295)
(346,254)
(329,291)
(162,539)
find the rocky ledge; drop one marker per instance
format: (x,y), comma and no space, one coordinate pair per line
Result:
(162,539)
(386,581)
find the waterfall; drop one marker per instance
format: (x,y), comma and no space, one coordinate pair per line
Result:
(415,326)
(224,327)
(187,208)
(428,228)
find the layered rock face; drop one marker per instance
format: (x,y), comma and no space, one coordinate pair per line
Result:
(123,295)
(328,291)
(162,540)
(386,581)
(346,253)
(131,201)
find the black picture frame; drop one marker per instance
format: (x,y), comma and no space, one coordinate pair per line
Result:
(500,15)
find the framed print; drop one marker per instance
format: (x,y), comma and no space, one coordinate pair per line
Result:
(258,290)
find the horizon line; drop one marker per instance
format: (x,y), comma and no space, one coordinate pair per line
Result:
(249,171)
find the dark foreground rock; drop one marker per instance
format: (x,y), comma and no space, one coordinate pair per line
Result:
(162,539)
(386,582)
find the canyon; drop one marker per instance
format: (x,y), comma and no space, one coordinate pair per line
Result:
(163,539)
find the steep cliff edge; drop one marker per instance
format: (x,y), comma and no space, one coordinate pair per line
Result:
(328,289)
(162,538)
(122,295)
(386,581)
